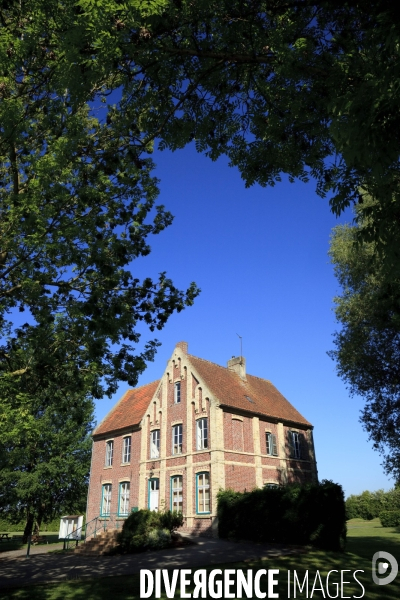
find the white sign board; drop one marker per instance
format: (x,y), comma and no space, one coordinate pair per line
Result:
(71,527)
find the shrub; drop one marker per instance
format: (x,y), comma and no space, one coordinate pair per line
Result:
(158,539)
(171,520)
(296,514)
(148,529)
(390,518)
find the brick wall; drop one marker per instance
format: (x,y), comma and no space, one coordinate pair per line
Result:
(116,474)
(236,454)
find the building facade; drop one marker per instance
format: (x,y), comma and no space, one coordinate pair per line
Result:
(175,442)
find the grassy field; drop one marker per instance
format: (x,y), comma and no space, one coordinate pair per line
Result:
(16,542)
(364,539)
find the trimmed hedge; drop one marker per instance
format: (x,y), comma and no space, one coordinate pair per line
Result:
(296,514)
(390,518)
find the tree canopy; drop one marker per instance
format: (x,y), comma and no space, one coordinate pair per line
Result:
(77,203)
(89,87)
(367,346)
(278,86)
(46,422)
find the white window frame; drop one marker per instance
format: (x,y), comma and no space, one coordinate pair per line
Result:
(295,444)
(177,439)
(124,493)
(155,443)
(126,449)
(177,493)
(177,392)
(109,453)
(202,434)
(203,504)
(270,443)
(106,500)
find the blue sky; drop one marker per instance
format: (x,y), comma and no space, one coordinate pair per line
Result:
(259,256)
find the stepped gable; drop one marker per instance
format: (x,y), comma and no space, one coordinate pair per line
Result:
(129,410)
(233,391)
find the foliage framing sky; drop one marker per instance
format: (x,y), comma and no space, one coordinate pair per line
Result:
(260,258)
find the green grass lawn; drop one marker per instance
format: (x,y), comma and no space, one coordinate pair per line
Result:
(364,539)
(16,542)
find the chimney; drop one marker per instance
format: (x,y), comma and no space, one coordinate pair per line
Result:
(183,346)
(238,364)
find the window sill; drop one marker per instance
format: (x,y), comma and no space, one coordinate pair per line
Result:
(108,467)
(125,464)
(203,516)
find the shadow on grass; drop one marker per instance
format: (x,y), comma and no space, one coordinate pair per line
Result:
(366,546)
(128,587)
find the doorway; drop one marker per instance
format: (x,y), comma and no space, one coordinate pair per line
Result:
(154,491)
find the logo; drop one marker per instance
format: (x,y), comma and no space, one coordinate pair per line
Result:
(383,567)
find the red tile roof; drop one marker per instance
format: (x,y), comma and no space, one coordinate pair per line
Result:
(129,410)
(255,395)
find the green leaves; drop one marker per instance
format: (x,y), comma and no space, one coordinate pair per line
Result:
(367,346)
(77,199)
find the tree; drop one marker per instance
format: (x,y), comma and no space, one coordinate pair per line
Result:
(45,445)
(276,85)
(367,347)
(77,203)
(279,86)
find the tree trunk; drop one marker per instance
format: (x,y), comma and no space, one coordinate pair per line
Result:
(28,527)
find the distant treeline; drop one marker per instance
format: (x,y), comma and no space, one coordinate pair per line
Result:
(369,505)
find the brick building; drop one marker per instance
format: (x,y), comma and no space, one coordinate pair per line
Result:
(175,442)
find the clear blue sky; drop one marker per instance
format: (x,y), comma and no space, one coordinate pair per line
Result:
(260,259)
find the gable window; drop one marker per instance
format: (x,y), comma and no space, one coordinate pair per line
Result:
(202,493)
(270,441)
(201,434)
(155,444)
(176,493)
(109,453)
(106,500)
(123,508)
(177,392)
(126,449)
(177,439)
(294,444)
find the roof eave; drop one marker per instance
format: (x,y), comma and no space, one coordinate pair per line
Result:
(272,418)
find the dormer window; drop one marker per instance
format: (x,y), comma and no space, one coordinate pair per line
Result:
(177,392)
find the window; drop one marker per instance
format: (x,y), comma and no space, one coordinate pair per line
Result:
(177,439)
(124,489)
(176,493)
(203,493)
(155,444)
(272,485)
(202,434)
(270,440)
(126,449)
(106,500)
(177,392)
(294,444)
(109,453)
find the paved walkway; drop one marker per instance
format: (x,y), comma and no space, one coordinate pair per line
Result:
(17,571)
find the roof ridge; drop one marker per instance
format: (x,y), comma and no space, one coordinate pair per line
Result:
(208,361)
(260,378)
(226,368)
